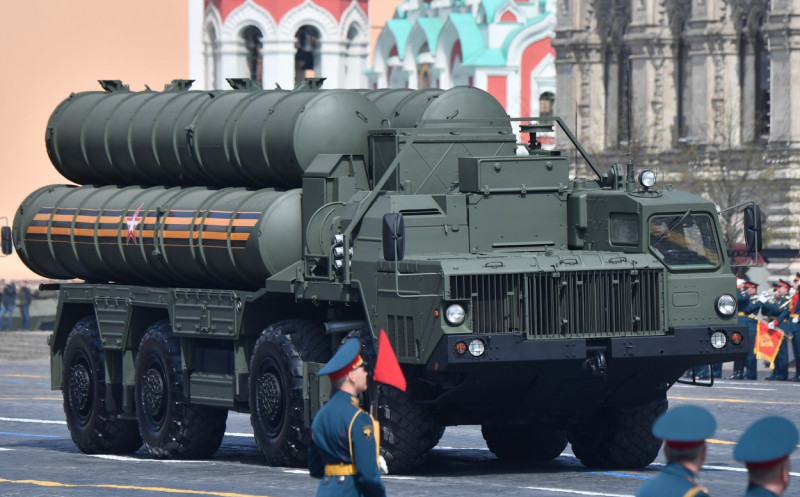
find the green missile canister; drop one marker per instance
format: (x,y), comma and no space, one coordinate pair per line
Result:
(178,137)
(189,236)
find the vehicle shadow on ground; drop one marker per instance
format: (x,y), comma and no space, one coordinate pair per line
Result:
(444,463)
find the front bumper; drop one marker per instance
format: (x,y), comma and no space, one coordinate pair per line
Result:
(518,380)
(688,346)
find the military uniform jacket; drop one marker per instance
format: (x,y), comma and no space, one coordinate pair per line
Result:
(777,309)
(674,481)
(758,491)
(749,306)
(342,434)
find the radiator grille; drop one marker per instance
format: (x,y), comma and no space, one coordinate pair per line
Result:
(401,333)
(583,304)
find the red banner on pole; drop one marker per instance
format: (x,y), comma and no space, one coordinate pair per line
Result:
(767,343)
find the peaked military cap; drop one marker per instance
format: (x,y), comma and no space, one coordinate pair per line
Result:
(797,276)
(784,283)
(345,359)
(685,426)
(766,442)
(751,283)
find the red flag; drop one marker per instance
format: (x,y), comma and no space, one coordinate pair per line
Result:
(387,369)
(767,343)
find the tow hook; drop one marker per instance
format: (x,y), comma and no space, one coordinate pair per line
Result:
(597,363)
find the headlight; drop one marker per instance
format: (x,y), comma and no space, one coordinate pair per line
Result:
(726,305)
(647,178)
(477,347)
(455,314)
(718,339)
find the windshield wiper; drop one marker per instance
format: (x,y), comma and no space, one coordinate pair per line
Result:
(672,227)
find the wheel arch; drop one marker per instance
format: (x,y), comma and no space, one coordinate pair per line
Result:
(141,318)
(66,318)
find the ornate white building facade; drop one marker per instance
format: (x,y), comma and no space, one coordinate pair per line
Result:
(280,42)
(713,77)
(501,46)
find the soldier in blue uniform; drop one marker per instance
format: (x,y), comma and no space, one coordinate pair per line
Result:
(777,311)
(765,448)
(344,438)
(684,430)
(793,328)
(749,307)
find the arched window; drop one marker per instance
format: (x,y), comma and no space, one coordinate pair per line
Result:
(546,100)
(424,60)
(251,36)
(754,77)
(307,55)
(682,83)
(762,97)
(616,77)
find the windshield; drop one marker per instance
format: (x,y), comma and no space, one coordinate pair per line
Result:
(684,240)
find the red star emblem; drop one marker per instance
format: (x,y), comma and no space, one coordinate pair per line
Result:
(133,222)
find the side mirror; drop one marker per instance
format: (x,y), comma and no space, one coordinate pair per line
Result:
(394,237)
(752,228)
(5,235)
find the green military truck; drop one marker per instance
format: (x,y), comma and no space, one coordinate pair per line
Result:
(228,241)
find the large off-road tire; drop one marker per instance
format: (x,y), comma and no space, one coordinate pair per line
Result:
(170,426)
(277,408)
(618,437)
(525,442)
(93,428)
(408,430)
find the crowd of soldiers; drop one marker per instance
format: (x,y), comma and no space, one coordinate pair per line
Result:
(781,310)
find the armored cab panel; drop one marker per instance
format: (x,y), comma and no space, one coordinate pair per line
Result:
(222,138)
(516,203)
(191,236)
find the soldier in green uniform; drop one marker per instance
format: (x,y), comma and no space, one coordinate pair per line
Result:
(344,438)
(684,430)
(765,448)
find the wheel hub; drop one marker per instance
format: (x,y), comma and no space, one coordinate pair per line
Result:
(153,393)
(270,398)
(80,388)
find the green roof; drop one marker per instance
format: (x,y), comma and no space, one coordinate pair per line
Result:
(513,34)
(432,26)
(491,57)
(491,6)
(400,29)
(468,33)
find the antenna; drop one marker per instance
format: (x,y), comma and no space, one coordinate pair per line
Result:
(629,168)
(574,148)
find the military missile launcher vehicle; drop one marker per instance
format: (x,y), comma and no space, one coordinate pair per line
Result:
(228,241)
